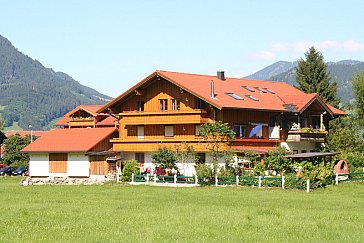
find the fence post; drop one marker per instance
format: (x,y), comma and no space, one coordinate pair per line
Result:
(216,181)
(308,185)
(132,177)
(237,180)
(117,174)
(147,178)
(336,178)
(155,178)
(363,169)
(196,180)
(260,181)
(175,179)
(283,181)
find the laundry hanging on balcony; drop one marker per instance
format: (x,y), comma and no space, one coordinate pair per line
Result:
(255,130)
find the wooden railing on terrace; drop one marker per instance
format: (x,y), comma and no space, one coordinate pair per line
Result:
(164,117)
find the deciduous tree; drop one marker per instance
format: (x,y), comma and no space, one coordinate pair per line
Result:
(217,136)
(13,145)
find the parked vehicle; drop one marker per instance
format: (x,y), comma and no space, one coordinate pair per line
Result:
(7,170)
(2,165)
(20,171)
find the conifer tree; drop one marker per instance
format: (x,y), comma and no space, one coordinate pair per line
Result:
(312,77)
(358,90)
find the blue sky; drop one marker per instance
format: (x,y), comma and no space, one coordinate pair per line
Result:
(111,45)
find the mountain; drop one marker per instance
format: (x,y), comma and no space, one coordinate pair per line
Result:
(31,94)
(341,71)
(272,70)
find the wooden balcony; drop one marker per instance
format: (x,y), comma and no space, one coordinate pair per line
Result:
(151,145)
(164,117)
(82,122)
(306,135)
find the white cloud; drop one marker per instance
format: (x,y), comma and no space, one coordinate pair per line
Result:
(264,55)
(347,45)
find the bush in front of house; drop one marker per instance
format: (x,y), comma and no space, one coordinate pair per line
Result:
(130,167)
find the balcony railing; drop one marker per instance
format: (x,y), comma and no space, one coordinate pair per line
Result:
(310,135)
(164,117)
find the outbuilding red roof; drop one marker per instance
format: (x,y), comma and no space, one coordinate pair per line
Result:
(251,94)
(70,140)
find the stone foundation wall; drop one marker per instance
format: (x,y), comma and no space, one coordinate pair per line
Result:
(29,181)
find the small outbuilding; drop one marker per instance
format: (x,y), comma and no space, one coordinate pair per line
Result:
(77,152)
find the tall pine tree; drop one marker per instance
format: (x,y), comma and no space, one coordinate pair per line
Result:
(312,77)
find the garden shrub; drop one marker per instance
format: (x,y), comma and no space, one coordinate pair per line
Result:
(207,172)
(320,175)
(259,169)
(130,167)
(165,158)
(355,161)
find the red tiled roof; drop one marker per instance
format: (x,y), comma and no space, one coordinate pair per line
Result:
(108,121)
(69,140)
(25,133)
(286,98)
(336,111)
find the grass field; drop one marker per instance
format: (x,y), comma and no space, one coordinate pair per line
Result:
(121,213)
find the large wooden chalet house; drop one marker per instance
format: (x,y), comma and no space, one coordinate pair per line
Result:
(168,108)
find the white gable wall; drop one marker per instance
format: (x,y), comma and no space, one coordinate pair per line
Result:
(78,165)
(39,164)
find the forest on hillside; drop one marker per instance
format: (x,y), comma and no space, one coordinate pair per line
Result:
(34,95)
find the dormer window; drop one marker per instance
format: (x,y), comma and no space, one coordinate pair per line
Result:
(200,104)
(163,104)
(140,105)
(176,104)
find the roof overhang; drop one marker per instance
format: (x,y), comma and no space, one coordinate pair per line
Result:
(149,78)
(320,101)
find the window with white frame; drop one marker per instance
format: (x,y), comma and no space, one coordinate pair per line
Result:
(168,131)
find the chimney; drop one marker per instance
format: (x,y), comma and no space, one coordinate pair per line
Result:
(221,75)
(212,89)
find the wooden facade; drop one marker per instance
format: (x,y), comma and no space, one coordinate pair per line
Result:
(98,165)
(161,113)
(58,162)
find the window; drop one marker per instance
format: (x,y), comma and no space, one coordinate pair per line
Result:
(139,157)
(140,105)
(248,88)
(270,91)
(168,131)
(235,96)
(140,131)
(163,104)
(261,90)
(176,104)
(201,158)
(200,104)
(198,128)
(252,98)
(240,131)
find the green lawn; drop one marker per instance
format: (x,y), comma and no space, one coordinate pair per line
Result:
(121,213)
